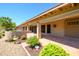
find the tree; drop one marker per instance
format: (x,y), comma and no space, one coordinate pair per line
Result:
(13,25)
(6,22)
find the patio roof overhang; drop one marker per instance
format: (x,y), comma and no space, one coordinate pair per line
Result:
(43,16)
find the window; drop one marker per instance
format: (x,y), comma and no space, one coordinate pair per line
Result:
(23,28)
(73,23)
(48,28)
(75,4)
(34,29)
(43,28)
(26,28)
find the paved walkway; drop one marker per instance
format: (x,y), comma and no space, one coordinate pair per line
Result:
(11,49)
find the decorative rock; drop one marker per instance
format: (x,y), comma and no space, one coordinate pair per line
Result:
(36,47)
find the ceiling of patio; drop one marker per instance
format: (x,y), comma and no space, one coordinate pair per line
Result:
(61,16)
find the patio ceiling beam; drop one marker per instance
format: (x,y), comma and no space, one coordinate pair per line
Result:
(61,16)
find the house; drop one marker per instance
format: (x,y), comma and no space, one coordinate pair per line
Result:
(61,20)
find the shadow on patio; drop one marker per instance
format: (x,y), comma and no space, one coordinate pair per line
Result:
(73,42)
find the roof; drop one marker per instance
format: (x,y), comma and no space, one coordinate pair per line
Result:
(47,11)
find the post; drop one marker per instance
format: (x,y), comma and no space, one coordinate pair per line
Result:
(27,28)
(45,28)
(38,30)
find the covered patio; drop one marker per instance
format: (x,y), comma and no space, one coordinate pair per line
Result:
(63,24)
(59,25)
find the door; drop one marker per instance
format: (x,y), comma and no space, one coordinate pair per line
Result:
(48,28)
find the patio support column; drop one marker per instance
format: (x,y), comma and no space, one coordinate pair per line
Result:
(46,29)
(27,27)
(38,30)
(72,4)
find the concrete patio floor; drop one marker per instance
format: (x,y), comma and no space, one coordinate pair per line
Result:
(70,45)
(11,49)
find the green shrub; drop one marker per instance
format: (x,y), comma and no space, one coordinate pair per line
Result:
(10,40)
(3,34)
(32,41)
(13,30)
(0,35)
(52,50)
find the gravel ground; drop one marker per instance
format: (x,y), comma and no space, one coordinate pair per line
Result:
(11,49)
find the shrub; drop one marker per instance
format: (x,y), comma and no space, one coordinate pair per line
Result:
(0,35)
(23,38)
(52,50)
(13,30)
(11,40)
(32,41)
(3,34)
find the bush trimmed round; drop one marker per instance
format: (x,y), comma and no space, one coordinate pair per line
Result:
(32,41)
(52,50)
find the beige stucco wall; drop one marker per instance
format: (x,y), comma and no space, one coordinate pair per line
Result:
(59,29)
(72,30)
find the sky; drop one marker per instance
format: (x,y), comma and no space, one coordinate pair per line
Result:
(20,12)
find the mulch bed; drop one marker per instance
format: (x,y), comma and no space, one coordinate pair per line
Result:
(33,52)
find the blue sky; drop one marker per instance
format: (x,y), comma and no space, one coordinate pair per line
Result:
(20,12)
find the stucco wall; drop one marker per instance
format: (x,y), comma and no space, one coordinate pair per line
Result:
(72,30)
(59,29)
